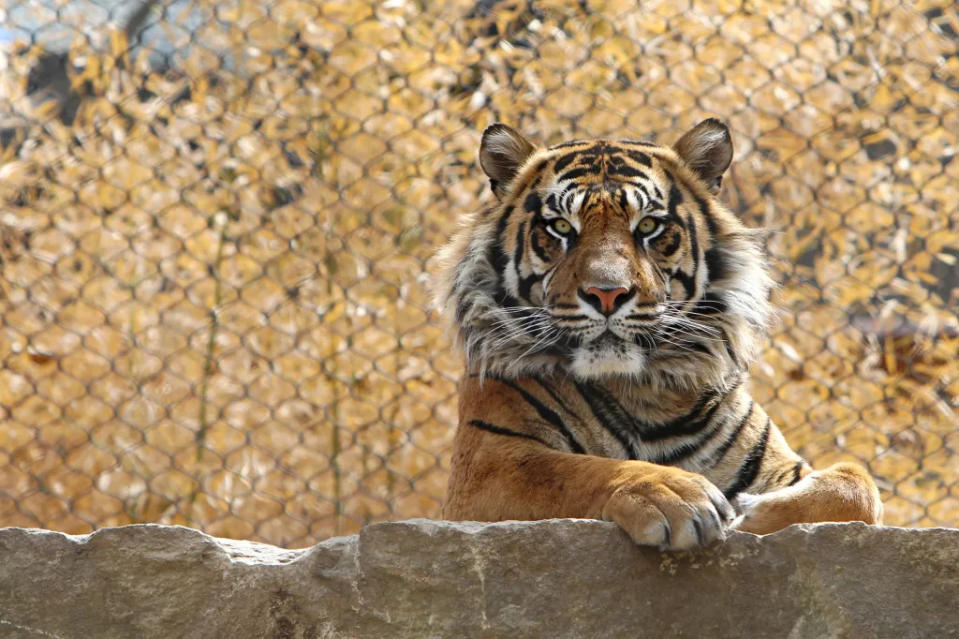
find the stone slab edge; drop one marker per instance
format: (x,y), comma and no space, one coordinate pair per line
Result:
(555,578)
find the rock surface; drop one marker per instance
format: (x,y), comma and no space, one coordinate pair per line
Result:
(559,578)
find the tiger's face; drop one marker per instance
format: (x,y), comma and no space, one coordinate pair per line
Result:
(607,258)
(602,246)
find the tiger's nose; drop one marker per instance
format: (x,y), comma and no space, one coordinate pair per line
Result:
(605,300)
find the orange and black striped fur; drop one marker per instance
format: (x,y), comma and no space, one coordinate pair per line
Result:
(609,306)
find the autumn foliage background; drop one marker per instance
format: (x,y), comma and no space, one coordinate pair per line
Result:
(215,255)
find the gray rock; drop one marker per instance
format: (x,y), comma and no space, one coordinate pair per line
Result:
(558,578)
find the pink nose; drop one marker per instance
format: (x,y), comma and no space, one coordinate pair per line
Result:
(606,298)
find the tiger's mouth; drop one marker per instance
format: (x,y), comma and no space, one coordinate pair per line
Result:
(613,334)
(608,341)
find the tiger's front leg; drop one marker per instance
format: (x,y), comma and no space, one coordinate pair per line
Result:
(842,492)
(498,475)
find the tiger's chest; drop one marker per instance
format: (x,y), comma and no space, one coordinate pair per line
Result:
(704,433)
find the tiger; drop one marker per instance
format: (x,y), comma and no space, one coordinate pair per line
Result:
(608,306)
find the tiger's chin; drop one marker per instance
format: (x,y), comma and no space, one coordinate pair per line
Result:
(606,357)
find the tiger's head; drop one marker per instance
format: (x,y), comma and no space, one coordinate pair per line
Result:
(607,258)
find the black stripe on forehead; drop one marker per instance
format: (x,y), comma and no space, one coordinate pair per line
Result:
(619,168)
(618,161)
(602,159)
(618,193)
(585,158)
(565,161)
(638,157)
(572,174)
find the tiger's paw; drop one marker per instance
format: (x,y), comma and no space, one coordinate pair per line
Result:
(672,510)
(759,515)
(842,492)
(767,513)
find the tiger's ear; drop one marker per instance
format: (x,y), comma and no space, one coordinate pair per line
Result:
(502,151)
(707,149)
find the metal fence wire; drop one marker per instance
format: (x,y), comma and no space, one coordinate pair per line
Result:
(217,220)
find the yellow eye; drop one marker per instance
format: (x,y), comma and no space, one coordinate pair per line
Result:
(561,226)
(647,225)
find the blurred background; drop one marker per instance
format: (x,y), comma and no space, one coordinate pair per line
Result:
(217,219)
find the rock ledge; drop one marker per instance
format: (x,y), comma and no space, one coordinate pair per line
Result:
(419,578)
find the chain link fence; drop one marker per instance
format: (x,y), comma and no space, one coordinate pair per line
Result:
(217,220)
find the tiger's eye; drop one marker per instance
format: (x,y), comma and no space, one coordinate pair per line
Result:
(561,226)
(647,225)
